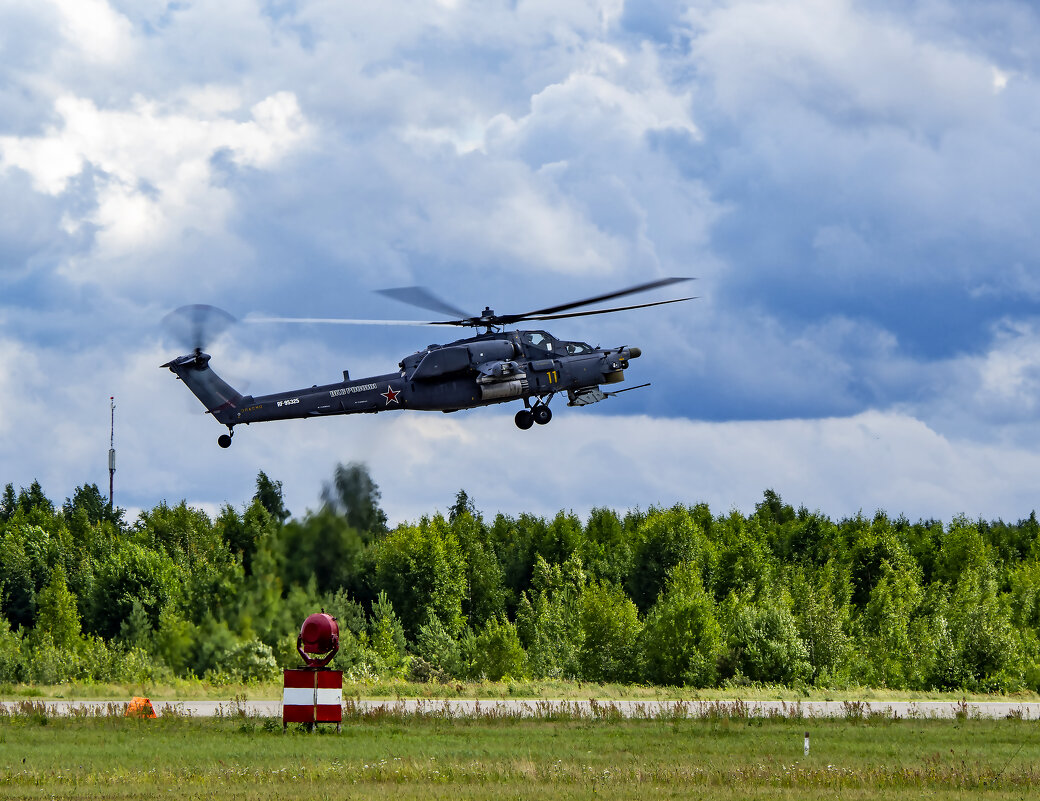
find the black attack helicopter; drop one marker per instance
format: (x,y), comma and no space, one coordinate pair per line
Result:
(495,366)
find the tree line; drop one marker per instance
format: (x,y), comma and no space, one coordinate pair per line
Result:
(665,596)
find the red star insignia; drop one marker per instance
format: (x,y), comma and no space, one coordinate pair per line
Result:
(390,395)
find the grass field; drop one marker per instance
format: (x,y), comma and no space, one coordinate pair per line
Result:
(386,755)
(195,689)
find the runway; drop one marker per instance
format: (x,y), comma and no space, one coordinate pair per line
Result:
(550,709)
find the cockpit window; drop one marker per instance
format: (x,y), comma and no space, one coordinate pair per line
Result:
(538,339)
(577,347)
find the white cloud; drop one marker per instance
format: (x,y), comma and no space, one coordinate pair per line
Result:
(301,152)
(992,396)
(841,465)
(19,377)
(167,450)
(100,33)
(837,54)
(862,108)
(1015,281)
(1010,372)
(608,103)
(910,461)
(532,223)
(566,186)
(151,163)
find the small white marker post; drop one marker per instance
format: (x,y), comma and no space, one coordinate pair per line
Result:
(807,743)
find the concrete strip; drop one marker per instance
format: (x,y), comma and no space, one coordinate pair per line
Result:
(467,707)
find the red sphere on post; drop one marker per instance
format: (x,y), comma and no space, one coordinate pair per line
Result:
(318,642)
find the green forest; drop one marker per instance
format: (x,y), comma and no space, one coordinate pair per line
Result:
(676,596)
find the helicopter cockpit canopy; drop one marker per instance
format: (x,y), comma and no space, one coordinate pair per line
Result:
(543,341)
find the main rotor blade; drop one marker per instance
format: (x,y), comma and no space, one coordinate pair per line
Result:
(337,321)
(606,311)
(506,319)
(423,298)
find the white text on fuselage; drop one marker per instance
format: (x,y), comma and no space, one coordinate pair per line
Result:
(351,390)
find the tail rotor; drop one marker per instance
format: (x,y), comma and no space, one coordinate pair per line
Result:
(196,325)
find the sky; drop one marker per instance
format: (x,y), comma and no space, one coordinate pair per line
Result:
(853,184)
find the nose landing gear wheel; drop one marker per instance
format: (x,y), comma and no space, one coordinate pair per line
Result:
(542,414)
(224,440)
(524,419)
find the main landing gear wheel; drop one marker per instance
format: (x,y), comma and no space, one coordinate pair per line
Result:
(224,440)
(542,414)
(524,419)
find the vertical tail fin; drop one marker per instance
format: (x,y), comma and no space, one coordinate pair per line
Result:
(219,397)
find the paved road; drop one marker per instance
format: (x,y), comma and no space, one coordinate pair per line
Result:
(587,708)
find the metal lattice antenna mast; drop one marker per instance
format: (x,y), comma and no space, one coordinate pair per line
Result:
(112,452)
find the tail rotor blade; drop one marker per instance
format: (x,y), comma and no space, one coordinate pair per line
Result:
(196,325)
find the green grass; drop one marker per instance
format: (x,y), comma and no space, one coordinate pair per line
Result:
(393,756)
(196,689)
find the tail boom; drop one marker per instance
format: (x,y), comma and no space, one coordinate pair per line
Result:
(220,398)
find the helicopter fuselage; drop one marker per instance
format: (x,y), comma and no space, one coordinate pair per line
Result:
(495,367)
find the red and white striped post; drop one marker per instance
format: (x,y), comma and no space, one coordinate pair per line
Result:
(298,697)
(314,694)
(328,697)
